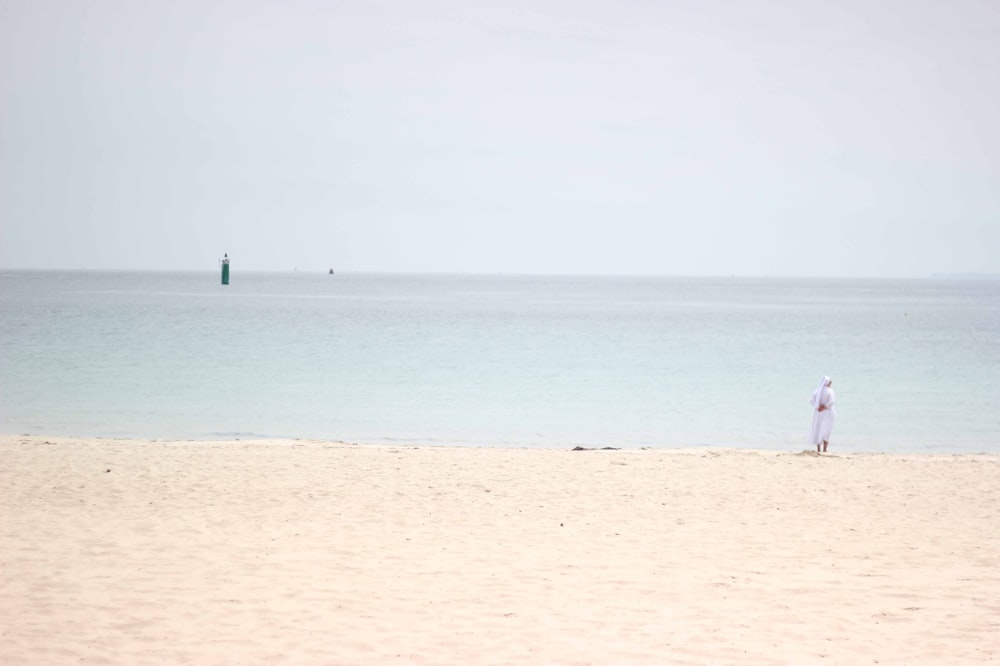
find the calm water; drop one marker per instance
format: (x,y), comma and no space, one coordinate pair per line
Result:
(501,360)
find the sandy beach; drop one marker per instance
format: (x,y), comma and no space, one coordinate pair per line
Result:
(310,552)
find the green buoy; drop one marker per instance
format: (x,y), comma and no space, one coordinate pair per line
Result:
(225,269)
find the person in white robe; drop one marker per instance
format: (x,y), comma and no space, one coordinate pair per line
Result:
(824,414)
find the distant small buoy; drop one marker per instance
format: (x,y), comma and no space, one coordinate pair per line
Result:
(331,271)
(225,269)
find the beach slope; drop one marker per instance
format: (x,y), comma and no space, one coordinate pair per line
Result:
(311,552)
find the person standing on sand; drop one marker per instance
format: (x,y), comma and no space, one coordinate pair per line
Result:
(824,414)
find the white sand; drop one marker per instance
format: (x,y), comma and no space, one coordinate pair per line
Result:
(330,553)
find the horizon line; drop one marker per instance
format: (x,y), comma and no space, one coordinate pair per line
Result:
(934,275)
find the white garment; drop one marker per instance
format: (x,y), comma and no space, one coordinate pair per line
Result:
(823,381)
(822,422)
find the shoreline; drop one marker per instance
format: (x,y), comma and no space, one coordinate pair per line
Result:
(312,551)
(35,438)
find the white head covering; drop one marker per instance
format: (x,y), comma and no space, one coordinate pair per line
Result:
(817,395)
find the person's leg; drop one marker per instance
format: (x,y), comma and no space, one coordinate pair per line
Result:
(824,446)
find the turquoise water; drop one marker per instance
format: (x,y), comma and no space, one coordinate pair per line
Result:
(501,360)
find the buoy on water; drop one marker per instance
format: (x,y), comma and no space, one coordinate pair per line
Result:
(225,269)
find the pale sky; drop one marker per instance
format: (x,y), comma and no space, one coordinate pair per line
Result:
(689,137)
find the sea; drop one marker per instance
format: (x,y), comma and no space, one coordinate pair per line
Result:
(502,360)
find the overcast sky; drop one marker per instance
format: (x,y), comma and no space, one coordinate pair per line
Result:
(688,137)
